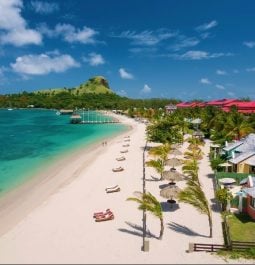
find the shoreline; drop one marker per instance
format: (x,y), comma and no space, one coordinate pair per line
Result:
(19,201)
(62,230)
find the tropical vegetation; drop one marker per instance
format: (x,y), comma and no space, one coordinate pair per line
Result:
(194,195)
(94,94)
(147,202)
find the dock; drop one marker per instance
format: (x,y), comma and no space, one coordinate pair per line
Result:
(92,117)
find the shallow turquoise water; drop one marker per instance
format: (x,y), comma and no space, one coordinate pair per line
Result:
(32,139)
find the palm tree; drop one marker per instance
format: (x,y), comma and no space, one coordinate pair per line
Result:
(191,168)
(195,141)
(195,154)
(158,165)
(161,151)
(237,126)
(147,202)
(194,195)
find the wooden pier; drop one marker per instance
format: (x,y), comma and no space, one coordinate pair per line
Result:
(92,117)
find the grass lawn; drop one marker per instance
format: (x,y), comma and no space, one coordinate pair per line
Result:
(242,227)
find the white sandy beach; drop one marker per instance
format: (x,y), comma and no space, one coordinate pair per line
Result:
(51,220)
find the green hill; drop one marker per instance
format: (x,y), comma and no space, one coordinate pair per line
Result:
(95,85)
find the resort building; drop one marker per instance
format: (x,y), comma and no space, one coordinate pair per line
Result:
(243,107)
(242,154)
(246,107)
(170,108)
(221,102)
(250,192)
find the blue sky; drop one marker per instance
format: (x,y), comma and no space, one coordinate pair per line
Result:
(145,48)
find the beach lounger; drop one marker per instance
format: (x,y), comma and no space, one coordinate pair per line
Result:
(106,217)
(125,145)
(127,140)
(117,169)
(112,189)
(120,158)
(127,136)
(96,214)
(124,151)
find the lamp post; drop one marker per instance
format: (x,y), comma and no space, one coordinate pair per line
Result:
(145,246)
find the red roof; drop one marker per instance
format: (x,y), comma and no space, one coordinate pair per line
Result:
(201,104)
(224,104)
(246,110)
(226,109)
(243,106)
(221,102)
(185,104)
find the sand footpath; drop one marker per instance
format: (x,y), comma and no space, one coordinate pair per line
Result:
(57,224)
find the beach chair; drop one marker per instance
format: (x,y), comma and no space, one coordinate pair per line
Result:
(125,145)
(124,151)
(120,158)
(105,217)
(117,169)
(112,189)
(96,214)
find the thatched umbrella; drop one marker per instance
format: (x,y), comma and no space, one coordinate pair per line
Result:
(173,162)
(193,147)
(170,193)
(175,152)
(175,146)
(172,176)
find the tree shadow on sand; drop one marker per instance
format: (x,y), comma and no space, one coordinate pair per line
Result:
(211,176)
(215,206)
(153,179)
(138,230)
(147,148)
(167,207)
(162,186)
(183,230)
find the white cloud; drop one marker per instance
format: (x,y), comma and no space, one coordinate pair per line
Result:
(43,64)
(231,94)
(70,34)
(205,35)
(124,74)
(198,55)
(137,50)
(249,44)
(2,69)
(146,89)
(220,87)
(207,26)
(146,37)
(43,7)
(94,59)
(185,42)
(13,27)
(235,71)
(221,72)
(250,69)
(122,92)
(205,81)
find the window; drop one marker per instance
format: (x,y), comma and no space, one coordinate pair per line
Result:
(252,169)
(252,202)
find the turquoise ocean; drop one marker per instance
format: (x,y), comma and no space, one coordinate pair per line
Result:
(31,140)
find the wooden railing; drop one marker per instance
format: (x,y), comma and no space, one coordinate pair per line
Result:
(235,245)
(240,245)
(206,247)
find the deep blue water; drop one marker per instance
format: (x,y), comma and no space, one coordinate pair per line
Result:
(32,139)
